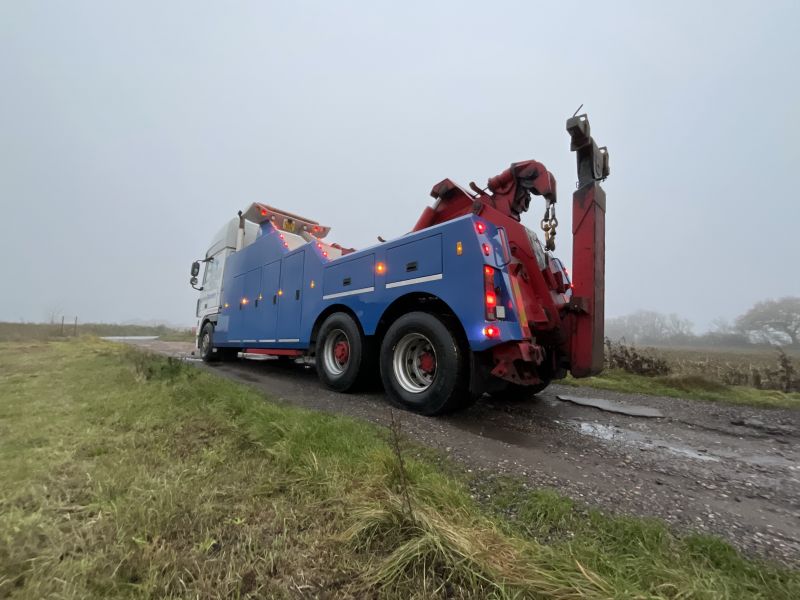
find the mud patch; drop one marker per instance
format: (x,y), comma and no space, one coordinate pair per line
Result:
(615,407)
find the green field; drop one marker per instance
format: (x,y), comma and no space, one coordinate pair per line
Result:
(736,375)
(23,332)
(694,387)
(134,476)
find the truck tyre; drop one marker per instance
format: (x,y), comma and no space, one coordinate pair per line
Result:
(206,344)
(423,368)
(341,359)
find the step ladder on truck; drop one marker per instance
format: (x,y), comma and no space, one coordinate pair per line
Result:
(469,302)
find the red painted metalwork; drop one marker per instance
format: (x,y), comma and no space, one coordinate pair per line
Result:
(341,351)
(274,351)
(588,266)
(567,319)
(427,362)
(587,305)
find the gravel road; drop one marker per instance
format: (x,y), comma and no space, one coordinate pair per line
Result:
(728,470)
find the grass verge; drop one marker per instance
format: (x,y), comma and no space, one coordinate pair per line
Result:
(686,386)
(130,475)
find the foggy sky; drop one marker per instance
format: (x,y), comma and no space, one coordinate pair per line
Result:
(130,132)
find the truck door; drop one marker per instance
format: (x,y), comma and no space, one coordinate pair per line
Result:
(268,304)
(232,321)
(290,298)
(250,305)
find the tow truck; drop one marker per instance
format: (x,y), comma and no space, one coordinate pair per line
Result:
(470,301)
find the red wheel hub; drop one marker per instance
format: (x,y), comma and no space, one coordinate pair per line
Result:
(341,351)
(427,362)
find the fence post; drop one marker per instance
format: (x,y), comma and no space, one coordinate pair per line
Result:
(76,326)
(62,326)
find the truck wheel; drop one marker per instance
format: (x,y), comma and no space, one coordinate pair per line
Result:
(206,344)
(422,366)
(514,391)
(340,356)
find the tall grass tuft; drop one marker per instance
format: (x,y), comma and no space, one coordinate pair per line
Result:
(457,551)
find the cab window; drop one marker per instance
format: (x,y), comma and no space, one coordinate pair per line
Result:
(213,274)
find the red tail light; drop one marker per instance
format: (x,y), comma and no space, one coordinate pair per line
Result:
(491,331)
(480,227)
(489,295)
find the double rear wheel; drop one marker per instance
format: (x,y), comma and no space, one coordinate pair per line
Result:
(422,365)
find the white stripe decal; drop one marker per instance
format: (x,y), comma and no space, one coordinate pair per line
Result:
(249,341)
(349,293)
(263,341)
(290,340)
(395,284)
(231,341)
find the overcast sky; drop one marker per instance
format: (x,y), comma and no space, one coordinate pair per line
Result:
(130,132)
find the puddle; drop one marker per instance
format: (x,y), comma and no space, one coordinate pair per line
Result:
(129,338)
(609,406)
(610,433)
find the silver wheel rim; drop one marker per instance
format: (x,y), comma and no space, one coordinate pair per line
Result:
(409,363)
(334,364)
(205,343)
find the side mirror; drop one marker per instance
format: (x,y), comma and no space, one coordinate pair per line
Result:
(195,270)
(193,281)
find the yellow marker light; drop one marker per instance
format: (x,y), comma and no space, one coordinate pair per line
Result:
(245,301)
(380,268)
(280,292)
(227,305)
(459,249)
(312,284)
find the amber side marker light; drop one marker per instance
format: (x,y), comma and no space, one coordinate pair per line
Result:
(380,268)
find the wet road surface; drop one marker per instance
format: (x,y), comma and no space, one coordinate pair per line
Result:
(729,470)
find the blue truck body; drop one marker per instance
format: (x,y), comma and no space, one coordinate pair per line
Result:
(274,297)
(470,302)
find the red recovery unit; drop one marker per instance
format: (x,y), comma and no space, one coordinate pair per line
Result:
(563,320)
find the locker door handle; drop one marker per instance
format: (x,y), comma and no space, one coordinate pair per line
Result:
(346,281)
(275,299)
(412,266)
(297,294)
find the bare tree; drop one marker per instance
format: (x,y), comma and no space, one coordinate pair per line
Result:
(773,321)
(649,327)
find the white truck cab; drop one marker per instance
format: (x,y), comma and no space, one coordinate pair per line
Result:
(222,245)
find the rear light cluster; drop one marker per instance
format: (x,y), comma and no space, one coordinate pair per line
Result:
(490,295)
(489,291)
